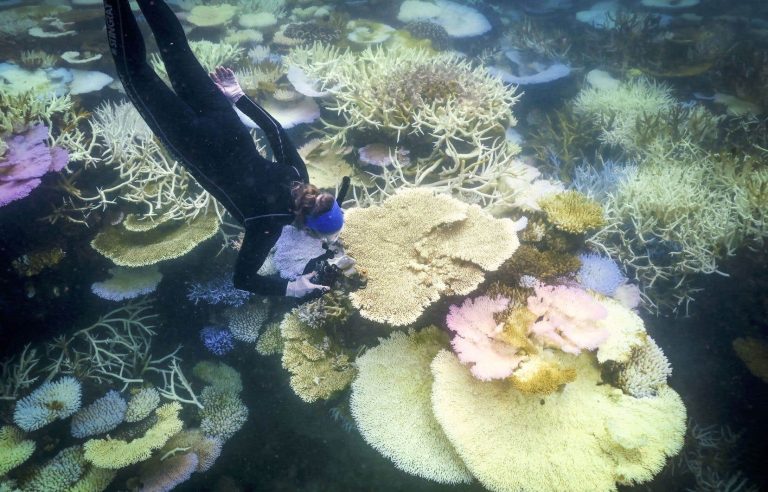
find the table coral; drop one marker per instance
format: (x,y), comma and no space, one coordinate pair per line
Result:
(418,246)
(390,404)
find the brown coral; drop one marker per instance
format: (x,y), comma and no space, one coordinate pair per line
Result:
(573,212)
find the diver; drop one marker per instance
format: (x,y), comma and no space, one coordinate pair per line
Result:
(197,124)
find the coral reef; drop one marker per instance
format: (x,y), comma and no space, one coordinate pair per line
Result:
(128,283)
(223,412)
(114,454)
(51,401)
(14,449)
(418,246)
(646,371)
(218,290)
(100,416)
(218,341)
(246,322)
(391,407)
(142,404)
(573,212)
(319,369)
(599,274)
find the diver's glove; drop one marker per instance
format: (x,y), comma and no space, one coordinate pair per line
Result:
(225,80)
(303,286)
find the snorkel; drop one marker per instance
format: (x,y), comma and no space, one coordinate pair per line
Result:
(330,222)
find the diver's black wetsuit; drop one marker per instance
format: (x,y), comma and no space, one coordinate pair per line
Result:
(198,126)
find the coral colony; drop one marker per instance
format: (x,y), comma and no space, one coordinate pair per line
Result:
(490,331)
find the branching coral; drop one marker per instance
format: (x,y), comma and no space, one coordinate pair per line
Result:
(417,247)
(646,371)
(682,211)
(459,112)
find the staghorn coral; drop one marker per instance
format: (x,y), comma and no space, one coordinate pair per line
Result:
(573,212)
(418,246)
(217,290)
(209,54)
(147,177)
(165,242)
(683,211)
(319,369)
(391,407)
(14,449)
(587,437)
(646,370)
(114,454)
(455,113)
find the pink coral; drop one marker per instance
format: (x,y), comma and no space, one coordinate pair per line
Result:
(567,318)
(478,338)
(26,160)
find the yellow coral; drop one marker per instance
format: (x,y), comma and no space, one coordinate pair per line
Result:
(114,454)
(540,375)
(418,246)
(318,369)
(170,240)
(543,265)
(587,437)
(626,332)
(14,450)
(754,353)
(211,15)
(391,406)
(517,322)
(270,342)
(573,212)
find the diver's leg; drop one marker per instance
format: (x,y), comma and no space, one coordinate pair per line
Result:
(282,147)
(186,136)
(188,78)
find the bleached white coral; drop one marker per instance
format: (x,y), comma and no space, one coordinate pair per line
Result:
(245,322)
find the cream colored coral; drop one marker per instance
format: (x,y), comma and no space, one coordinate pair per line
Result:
(626,332)
(326,165)
(588,437)
(211,15)
(390,403)
(418,246)
(318,368)
(646,370)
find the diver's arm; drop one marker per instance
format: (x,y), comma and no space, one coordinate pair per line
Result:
(253,252)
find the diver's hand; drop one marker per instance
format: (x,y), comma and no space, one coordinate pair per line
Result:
(303,286)
(225,80)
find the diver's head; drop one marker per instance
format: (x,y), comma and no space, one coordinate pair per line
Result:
(317,211)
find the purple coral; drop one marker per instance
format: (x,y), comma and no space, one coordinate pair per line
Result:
(600,273)
(26,160)
(218,290)
(217,340)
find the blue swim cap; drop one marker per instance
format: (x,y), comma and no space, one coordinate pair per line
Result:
(326,222)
